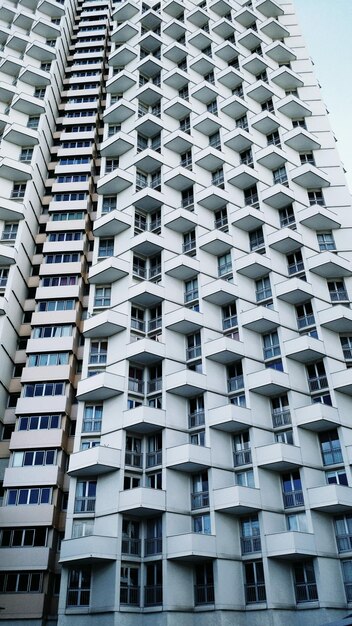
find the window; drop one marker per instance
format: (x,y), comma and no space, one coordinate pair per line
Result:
(44,359)
(153,590)
(246,157)
(225,266)
(200,491)
(85,496)
(245,478)
(273,139)
(326,241)
(72,257)
(217,178)
(251,197)
(18,191)
(347,578)
(241,449)
(346,344)
(268,105)
(330,447)
(78,588)
(33,495)
(59,281)
(44,389)
(4,274)
(287,217)
(317,378)
(256,240)
(305,315)
(295,265)
(186,159)
(39,422)
(254,582)
(336,477)
(307,157)
(263,289)
(221,220)
(21,582)
(191,290)
(337,291)
(23,537)
(297,522)
(106,248)
(33,457)
(242,122)
(229,316)
(185,125)
(201,524)
(68,236)
(214,140)
(194,346)
(305,585)
(235,380)
(46,332)
(280,176)
(315,196)
(92,418)
(69,197)
(189,243)
(72,215)
(109,204)
(196,412)
(98,352)
(102,297)
(299,123)
(204,584)
(198,438)
(280,411)
(271,345)
(250,535)
(292,490)
(285,436)
(129,585)
(343,531)
(26,155)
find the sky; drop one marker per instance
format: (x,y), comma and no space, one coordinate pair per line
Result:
(327,29)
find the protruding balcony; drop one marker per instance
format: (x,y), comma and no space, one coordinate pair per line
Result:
(120,82)
(246,17)
(118,112)
(309,177)
(268,382)
(191,547)
(26,557)
(216,242)
(180,178)
(294,108)
(124,32)
(175,52)
(230,418)
(330,498)
(301,140)
(273,29)
(112,224)
(105,324)
(220,7)
(182,267)
(243,176)
(116,181)
(209,159)
(94,461)
(51,8)
(224,350)
(35,76)
(269,8)
(317,417)
(319,217)
(116,145)
(108,271)
(238,140)
(142,501)
(337,318)
(234,107)
(144,419)
(122,56)
(186,383)
(42,515)
(278,196)
(181,220)
(249,39)
(145,351)
(28,104)
(213,197)
(294,291)
(271,157)
(124,11)
(7,255)
(291,545)
(237,500)
(230,77)
(21,135)
(266,122)
(260,319)
(253,265)
(247,218)
(184,321)
(255,64)
(40,51)
(100,387)
(285,240)
(93,549)
(207,123)
(279,52)
(198,17)
(188,458)
(220,292)
(35,476)
(305,349)
(342,381)
(146,294)
(12,170)
(199,39)
(261,91)
(178,141)
(279,457)
(226,51)
(329,265)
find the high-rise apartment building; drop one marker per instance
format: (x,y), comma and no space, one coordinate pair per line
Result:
(176,323)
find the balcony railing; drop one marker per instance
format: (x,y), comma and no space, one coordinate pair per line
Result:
(281,417)
(191,295)
(153,595)
(84,505)
(154,385)
(292,499)
(193,353)
(235,383)
(295,268)
(137,324)
(189,246)
(306,592)
(129,594)
(305,320)
(136,385)
(204,594)
(131,546)
(317,383)
(263,294)
(255,593)
(196,418)
(200,499)
(338,295)
(154,324)
(153,546)
(229,322)
(154,458)
(133,459)
(250,545)
(242,457)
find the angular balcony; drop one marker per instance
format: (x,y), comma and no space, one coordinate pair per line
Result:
(234,107)
(12,170)
(147,243)
(207,123)
(293,108)
(108,271)
(114,182)
(198,17)
(116,145)
(124,32)
(317,417)
(253,265)
(329,265)
(112,223)
(121,82)
(7,255)
(100,387)
(279,457)
(280,52)
(184,321)
(119,112)
(180,178)
(271,157)
(269,8)
(238,140)
(278,196)
(186,383)
(144,419)
(237,500)
(202,64)
(319,217)
(191,547)
(337,318)
(35,76)
(291,545)
(40,51)
(125,11)
(182,267)
(255,64)
(94,461)
(142,501)
(260,319)
(188,458)
(216,242)
(204,92)
(122,56)
(226,50)
(145,351)
(230,77)
(224,350)
(269,382)
(301,140)
(294,291)
(209,159)
(146,294)
(199,39)
(273,29)
(178,141)
(330,498)
(105,324)
(181,220)
(247,218)
(260,91)
(213,197)
(230,418)
(176,78)
(21,135)
(305,349)
(249,39)
(342,381)
(175,52)
(285,240)
(220,292)
(243,176)
(309,177)
(93,549)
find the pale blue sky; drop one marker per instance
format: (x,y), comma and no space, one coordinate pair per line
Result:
(327,30)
